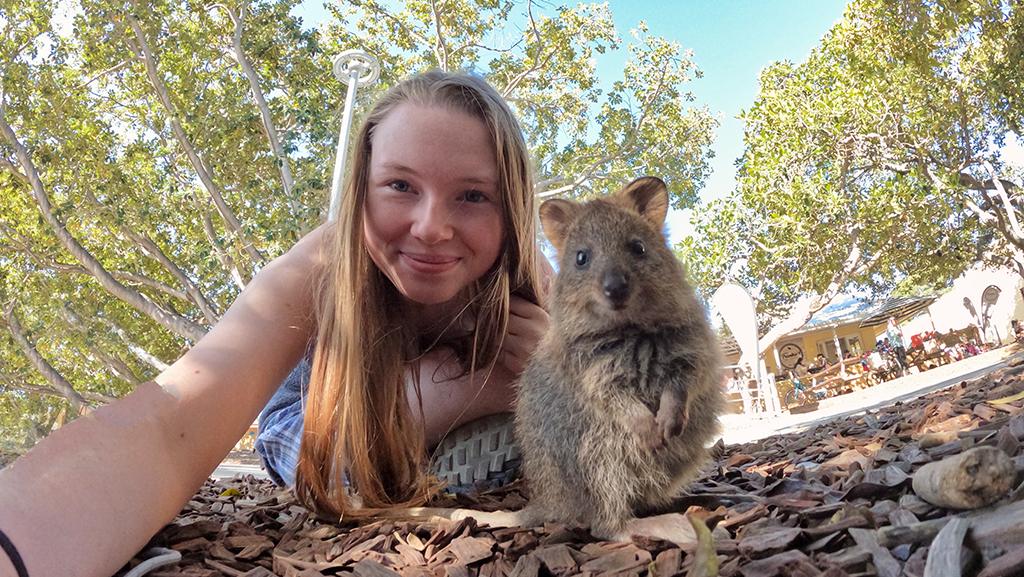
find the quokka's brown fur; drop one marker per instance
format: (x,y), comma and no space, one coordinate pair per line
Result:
(622,395)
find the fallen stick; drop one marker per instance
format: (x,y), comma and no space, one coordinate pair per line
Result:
(1001,527)
(975,478)
(931,440)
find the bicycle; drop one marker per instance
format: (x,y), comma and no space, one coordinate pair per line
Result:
(800,394)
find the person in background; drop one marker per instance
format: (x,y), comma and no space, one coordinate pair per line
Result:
(899,350)
(820,364)
(916,342)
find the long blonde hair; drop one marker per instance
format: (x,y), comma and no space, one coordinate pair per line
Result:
(358,422)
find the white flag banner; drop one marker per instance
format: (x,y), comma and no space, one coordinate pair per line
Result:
(736,308)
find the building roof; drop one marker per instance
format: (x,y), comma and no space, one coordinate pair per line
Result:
(901,308)
(729,345)
(848,310)
(842,311)
(865,313)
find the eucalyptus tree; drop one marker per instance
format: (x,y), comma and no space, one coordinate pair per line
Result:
(876,160)
(153,156)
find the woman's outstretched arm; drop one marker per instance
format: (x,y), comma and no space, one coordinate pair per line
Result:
(89,496)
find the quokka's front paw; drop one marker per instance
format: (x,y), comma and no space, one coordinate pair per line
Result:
(670,424)
(673,414)
(647,429)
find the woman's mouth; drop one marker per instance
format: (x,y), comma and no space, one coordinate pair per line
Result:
(429,263)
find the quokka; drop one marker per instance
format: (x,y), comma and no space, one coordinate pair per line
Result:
(622,395)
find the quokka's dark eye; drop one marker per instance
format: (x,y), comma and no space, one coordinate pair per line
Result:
(637,247)
(582,258)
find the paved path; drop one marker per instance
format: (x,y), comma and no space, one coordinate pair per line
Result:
(228,470)
(743,428)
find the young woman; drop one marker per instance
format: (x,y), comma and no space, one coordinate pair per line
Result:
(422,304)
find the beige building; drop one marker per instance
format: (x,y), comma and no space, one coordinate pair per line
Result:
(951,312)
(853,325)
(835,332)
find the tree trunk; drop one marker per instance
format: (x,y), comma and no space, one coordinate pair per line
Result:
(59,383)
(177,324)
(806,307)
(179,133)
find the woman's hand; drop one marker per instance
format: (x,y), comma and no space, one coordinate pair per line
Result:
(527,323)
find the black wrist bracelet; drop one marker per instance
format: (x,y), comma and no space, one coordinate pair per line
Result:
(12,554)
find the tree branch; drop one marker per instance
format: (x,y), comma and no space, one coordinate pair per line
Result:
(7,164)
(103,73)
(805,308)
(222,255)
(628,146)
(139,352)
(225,259)
(95,398)
(1011,213)
(287,181)
(116,366)
(583,177)
(539,63)
(440,46)
(46,263)
(175,323)
(202,171)
(149,248)
(60,385)
(387,15)
(987,215)
(195,295)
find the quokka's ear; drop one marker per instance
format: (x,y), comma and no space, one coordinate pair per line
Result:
(649,196)
(555,217)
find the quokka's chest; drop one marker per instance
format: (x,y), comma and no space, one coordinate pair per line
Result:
(638,366)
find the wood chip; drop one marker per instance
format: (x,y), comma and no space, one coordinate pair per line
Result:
(833,500)
(885,564)
(557,558)
(469,550)
(944,552)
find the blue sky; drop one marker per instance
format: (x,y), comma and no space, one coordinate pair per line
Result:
(731,40)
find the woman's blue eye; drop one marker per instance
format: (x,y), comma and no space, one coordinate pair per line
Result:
(400,186)
(475,196)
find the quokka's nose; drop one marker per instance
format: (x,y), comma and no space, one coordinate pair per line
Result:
(616,286)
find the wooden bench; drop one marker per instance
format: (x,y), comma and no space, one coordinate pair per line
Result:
(823,380)
(925,360)
(837,378)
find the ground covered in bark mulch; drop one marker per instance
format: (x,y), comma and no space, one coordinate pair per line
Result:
(836,500)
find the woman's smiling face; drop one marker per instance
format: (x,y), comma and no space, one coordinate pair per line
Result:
(433,218)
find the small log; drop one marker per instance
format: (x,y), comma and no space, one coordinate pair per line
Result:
(1002,527)
(931,440)
(972,479)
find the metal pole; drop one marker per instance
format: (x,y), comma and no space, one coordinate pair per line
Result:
(839,351)
(354,68)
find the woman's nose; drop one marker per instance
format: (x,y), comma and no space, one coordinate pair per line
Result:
(432,222)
